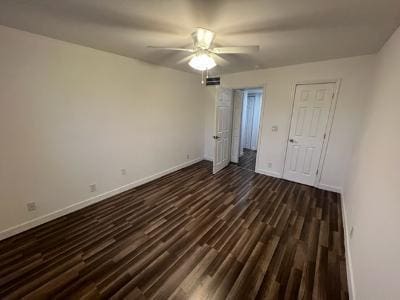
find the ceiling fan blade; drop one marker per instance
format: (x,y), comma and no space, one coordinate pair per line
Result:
(185,59)
(235,49)
(171,49)
(219,60)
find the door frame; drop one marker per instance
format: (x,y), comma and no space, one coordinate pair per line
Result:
(262,87)
(329,124)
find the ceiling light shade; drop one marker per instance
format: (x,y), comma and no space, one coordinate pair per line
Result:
(202,62)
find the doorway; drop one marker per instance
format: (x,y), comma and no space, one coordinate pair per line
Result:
(247,104)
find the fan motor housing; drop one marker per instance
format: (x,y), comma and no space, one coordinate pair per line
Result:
(202,38)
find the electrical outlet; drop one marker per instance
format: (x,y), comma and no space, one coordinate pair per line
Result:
(274,128)
(123,171)
(351,231)
(31,206)
(269,165)
(93,187)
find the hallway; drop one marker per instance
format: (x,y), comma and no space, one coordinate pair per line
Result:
(248,159)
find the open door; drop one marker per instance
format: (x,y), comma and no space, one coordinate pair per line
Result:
(236,125)
(223,128)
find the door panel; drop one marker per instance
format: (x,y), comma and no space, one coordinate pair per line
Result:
(223,128)
(311,108)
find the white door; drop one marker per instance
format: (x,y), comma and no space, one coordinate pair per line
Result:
(223,128)
(236,125)
(311,108)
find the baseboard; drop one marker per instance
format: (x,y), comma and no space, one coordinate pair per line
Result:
(279,175)
(349,265)
(269,173)
(209,158)
(330,188)
(79,205)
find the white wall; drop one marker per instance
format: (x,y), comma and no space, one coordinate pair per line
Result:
(355,74)
(71,116)
(372,193)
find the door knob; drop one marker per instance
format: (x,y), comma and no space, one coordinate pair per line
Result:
(216,137)
(292,141)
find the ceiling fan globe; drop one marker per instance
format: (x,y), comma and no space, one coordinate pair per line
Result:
(202,61)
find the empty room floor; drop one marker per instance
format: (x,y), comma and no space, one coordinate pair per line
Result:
(188,235)
(248,159)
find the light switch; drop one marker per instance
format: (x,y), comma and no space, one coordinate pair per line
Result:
(274,128)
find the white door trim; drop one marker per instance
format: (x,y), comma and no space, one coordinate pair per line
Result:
(331,115)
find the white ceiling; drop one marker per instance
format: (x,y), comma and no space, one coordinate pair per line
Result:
(288,32)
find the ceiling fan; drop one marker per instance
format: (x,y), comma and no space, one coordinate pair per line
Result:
(204,57)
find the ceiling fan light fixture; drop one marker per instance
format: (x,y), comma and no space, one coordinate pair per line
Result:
(202,62)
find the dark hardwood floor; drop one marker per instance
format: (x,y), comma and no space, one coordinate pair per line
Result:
(248,159)
(188,235)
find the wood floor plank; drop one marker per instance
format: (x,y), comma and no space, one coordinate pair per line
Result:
(187,235)
(248,159)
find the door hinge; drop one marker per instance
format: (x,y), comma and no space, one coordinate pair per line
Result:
(324,135)
(333,95)
(316,172)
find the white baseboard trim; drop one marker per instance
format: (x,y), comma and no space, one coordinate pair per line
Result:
(330,188)
(209,158)
(79,205)
(269,173)
(349,265)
